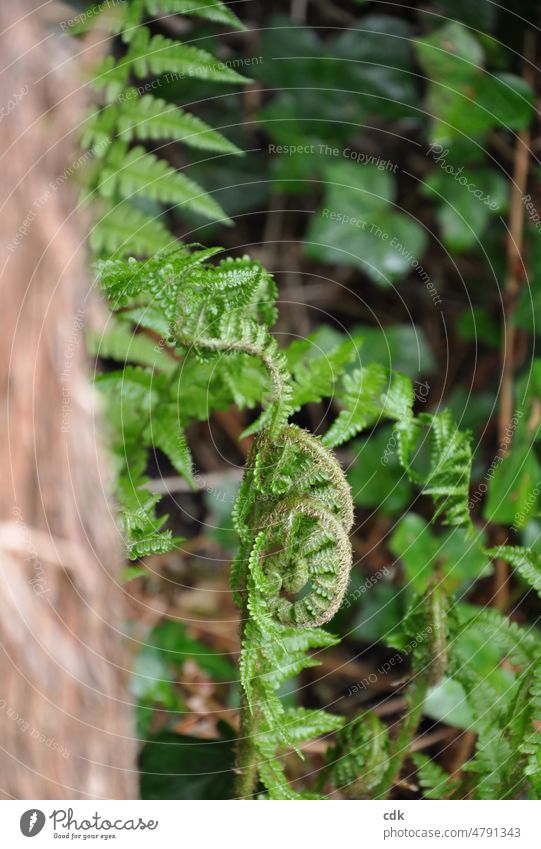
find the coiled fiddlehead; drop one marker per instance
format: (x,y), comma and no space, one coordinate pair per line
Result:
(294,509)
(294,514)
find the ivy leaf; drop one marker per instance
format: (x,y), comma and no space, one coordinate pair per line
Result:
(358,225)
(462,97)
(329,87)
(175,766)
(512,497)
(458,557)
(376,477)
(466,201)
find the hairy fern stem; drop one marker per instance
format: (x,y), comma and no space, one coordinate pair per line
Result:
(436,615)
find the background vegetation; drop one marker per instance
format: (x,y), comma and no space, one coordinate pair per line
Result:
(381,161)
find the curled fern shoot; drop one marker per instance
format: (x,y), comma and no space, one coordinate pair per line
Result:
(294,509)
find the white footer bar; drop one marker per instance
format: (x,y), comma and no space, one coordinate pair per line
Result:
(315,825)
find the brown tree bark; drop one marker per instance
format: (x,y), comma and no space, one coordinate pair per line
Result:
(65,717)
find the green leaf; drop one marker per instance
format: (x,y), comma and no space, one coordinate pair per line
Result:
(466,200)
(212,10)
(434,781)
(360,758)
(315,370)
(330,87)
(454,555)
(462,97)
(447,478)
(446,702)
(526,562)
(161,55)
(124,229)
(132,172)
(149,117)
(166,433)
(119,343)
(376,476)
(175,766)
(403,348)
(513,488)
(174,644)
(370,394)
(301,724)
(481,15)
(359,226)
(476,325)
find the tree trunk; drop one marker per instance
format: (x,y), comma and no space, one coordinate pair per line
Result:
(64,705)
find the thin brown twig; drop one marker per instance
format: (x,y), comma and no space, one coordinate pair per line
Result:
(512,285)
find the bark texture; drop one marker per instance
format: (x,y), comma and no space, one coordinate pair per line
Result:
(64,705)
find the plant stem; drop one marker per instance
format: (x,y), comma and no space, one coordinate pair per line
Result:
(514,274)
(247,756)
(246,766)
(401,745)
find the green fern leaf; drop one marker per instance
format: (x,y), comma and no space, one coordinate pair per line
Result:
(359,760)
(166,434)
(149,117)
(525,561)
(301,724)
(118,343)
(212,10)
(132,172)
(161,55)
(124,229)
(369,394)
(434,781)
(450,469)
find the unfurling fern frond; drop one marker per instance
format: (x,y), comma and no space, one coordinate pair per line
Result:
(294,515)
(294,509)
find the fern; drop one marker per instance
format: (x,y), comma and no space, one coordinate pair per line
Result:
(149,117)
(294,509)
(508,744)
(374,393)
(434,781)
(358,761)
(122,229)
(212,10)
(210,319)
(368,395)
(192,331)
(450,469)
(126,176)
(525,561)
